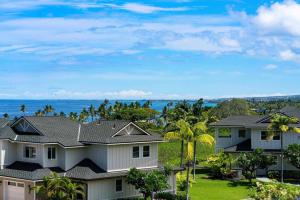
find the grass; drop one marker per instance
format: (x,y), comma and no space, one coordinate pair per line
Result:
(169,152)
(212,189)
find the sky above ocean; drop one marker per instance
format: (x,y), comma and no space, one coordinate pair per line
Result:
(160,49)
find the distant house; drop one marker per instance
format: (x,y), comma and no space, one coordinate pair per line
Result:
(236,134)
(98,154)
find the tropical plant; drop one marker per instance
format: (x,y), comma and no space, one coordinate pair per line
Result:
(48,109)
(292,154)
(275,191)
(92,111)
(147,183)
(72,189)
(251,161)
(281,124)
(62,114)
(220,165)
(84,114)
(23,109)
(73,116)
(6,116)
(39,113)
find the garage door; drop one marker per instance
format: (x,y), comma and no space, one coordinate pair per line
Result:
(14,191)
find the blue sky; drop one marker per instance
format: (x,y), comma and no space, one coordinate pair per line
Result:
(162,49)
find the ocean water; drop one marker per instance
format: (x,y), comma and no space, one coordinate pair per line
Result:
(12,107)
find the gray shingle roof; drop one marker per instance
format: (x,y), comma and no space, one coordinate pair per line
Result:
(84,170)
(69,133)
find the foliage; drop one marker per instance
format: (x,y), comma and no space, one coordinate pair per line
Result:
(272,174)
(220,165)
(181,180)
(169,196)
(231,107)
(278,191)
(54,187)
(292,154)
(251,161)
(147,182)
(281,123)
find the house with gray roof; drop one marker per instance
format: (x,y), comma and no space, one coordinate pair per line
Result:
(97,154)
(236,134)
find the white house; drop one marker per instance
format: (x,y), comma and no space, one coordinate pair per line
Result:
(97,154)
(236,134)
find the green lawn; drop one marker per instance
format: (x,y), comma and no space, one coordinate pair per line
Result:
(208,189)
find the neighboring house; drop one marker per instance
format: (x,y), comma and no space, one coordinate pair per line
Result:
(98,154)
(236,134)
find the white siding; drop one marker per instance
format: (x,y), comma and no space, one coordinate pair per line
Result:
(106,189)
(224,142)
(8,153)
(60,157)
(120,157)
(74,156)
(98,154)
(39,153)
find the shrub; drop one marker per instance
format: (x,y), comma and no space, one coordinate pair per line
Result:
(219,165)
(292,154)
(181,182)
(170,196)
(275,191)
(274,174)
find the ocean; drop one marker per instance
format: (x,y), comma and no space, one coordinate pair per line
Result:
(12,107)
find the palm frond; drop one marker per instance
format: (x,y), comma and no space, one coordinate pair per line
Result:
(206,139)
(296,130)
(172,136)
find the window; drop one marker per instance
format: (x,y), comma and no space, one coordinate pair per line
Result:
(29,152)
(11,183)
(242,133)
(224,133)
(51,153)
(146,151)
(264,136)
(136,152)
(119,186)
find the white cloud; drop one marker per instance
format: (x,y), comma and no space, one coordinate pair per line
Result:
(270,67)
(145,9)
(289,55)
(280,17)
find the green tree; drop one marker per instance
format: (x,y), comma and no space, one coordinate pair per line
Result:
(23,109)
(92,111)
(48,109)
(147,183)
(281,124)
(72,189)
(251,161)
(73,116)
(292,154)
(39,113)
(231,107)
(84,114)
(62,114)
(6,116)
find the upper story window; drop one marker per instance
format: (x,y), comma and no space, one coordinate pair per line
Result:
(119,185)
(30,152)
(51,153)
(136,152)
(146,151)
(224,133)
(264,136)
(242,133)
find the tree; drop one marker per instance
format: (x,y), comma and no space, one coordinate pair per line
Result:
(92,111)
(231,107)
(73,116)
(54,187)
(62,114)
(39,113)
(83,115)
(147,183)
(6,116)
(48,109)
(280,124)
(251,161)
(292,154)
(23,109)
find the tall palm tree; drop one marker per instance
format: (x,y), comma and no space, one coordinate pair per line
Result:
(72,189)
(73,116)
(83,115)
(23,109)
(281,124)
(48,109)
(92,111)
(39,113)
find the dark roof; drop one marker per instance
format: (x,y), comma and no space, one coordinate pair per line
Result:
(3,122)
(84,170)
(245,146)
(69,133)
(256,121)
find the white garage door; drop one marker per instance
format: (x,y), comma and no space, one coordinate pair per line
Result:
(14,191)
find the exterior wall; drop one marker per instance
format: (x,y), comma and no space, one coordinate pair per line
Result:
(120,157)
(8,153)
(98,154)
(39,153)
(58,161)
(74,156)
(224,142)
(29,193)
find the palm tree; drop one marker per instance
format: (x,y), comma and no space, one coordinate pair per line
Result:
(62,114)
(280,124)
(73,116)
(39,113)
(6,116)
(92,111)
(83,115)
(23,109)
(48,109)
(72,189)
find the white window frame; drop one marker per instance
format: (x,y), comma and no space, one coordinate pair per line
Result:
(30,152)
(149,151)
(133,152)
(51,152)
(119,179)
